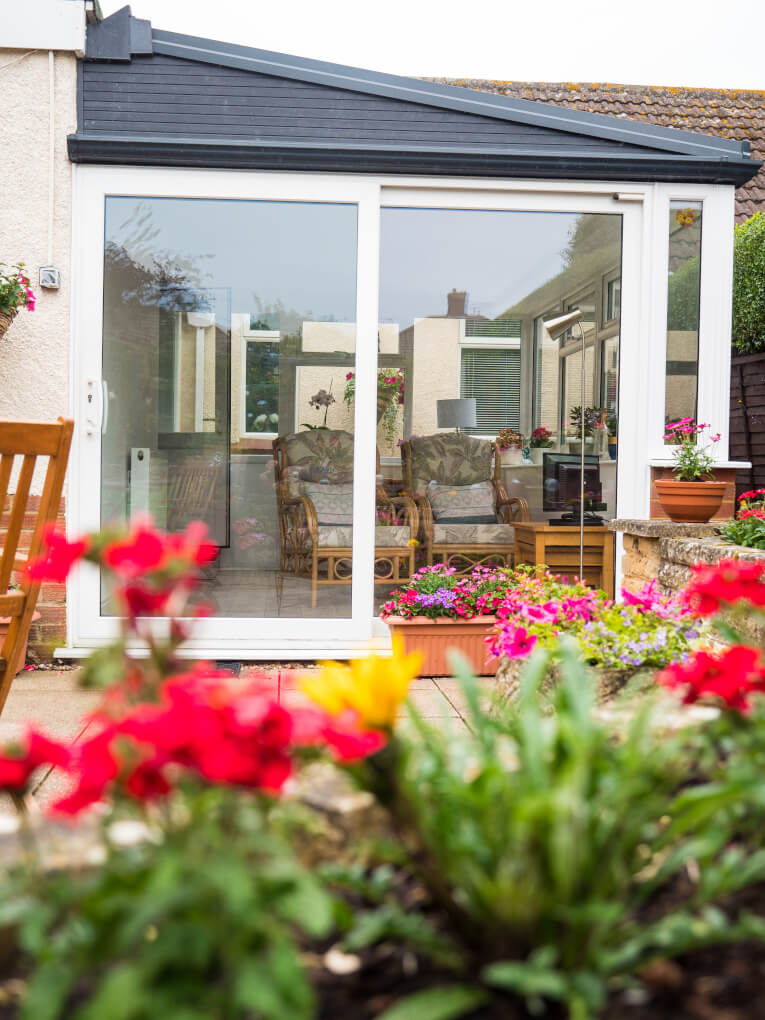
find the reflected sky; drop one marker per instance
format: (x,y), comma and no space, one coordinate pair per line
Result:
(497,256)
(300,255)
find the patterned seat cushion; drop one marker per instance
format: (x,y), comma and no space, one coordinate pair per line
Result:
(450,458)
(473,534)
(395,536)
(333,503)
(462,504)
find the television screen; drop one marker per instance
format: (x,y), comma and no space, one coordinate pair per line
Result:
(560,481)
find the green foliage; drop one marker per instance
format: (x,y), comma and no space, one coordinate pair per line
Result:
(200,925)
(749,532)
(749,286)
(543,839)
(683,296)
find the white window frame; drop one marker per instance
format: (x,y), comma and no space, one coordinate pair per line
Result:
(253,336)
(644,208)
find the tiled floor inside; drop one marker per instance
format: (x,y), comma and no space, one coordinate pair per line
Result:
(53,701)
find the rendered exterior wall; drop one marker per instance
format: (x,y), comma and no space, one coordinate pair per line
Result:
(34,354)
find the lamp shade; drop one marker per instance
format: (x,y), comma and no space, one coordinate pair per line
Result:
(557,327)
(456,414)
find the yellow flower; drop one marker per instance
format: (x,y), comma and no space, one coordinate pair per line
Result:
(413,542)
(373,687)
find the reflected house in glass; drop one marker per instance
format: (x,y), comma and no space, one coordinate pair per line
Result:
(274,253)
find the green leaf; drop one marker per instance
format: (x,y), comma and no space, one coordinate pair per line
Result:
(440,1003)
(525,979)
(120,996)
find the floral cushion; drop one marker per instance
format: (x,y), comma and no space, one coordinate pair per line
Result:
(450,458)
(321,453)
(463,504)
(473,534)
(333,503)
(395,536)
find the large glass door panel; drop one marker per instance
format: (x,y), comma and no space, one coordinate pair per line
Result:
(471,294)
(229,337)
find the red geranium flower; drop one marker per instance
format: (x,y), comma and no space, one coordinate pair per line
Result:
(16,769)
(725,583)
(58,556)
(731,677)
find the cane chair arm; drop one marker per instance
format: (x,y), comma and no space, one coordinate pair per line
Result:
(291,510)
(426,520)
(407,512)
(513,509)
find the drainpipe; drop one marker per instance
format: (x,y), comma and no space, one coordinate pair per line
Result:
(51,149)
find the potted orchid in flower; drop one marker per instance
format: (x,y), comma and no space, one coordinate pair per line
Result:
(15,293)
(692,495)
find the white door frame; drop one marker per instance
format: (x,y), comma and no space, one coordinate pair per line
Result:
(221,637)
(644,208)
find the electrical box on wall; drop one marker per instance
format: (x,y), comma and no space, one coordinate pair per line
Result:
(50,277)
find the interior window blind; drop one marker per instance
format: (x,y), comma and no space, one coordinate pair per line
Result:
(493,377)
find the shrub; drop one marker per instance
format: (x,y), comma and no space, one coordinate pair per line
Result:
(556,853)
(749,286)
(747,528)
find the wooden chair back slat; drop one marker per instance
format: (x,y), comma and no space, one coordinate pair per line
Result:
(16,519)
(29,440)
(6,466)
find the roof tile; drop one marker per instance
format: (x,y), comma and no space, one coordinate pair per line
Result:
(730,113)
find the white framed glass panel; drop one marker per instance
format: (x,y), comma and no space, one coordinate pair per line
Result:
(683,306)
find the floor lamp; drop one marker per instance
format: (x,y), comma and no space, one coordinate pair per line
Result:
(555,328)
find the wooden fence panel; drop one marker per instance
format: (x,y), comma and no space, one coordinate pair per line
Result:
(747,419)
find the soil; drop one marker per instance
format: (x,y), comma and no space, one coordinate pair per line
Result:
(718,983)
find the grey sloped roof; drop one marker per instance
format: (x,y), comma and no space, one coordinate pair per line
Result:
(149,96)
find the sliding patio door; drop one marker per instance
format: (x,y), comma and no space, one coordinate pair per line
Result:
(223,385)
(467,290)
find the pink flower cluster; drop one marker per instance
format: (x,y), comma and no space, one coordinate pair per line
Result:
(31,299)
(532,605)
(685,430)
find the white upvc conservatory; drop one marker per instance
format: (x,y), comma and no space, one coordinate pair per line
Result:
(261,321)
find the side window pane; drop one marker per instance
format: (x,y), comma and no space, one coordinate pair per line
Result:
(683,287)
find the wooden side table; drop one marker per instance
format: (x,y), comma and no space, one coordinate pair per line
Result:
(538,542)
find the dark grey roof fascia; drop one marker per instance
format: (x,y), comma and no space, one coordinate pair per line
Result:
(119,37)
(447,96)
(152,150)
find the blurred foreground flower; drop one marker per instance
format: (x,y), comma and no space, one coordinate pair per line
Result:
(374,687)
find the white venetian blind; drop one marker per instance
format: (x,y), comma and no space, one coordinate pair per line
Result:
(493,377)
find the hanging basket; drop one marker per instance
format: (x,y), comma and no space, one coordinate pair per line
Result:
(6,318)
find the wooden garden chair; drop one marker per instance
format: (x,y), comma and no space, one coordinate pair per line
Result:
(28,441)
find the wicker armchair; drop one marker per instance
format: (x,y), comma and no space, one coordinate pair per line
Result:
(314,480)
(466,516)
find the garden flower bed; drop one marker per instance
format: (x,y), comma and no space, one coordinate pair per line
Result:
(646,630)
(539,864)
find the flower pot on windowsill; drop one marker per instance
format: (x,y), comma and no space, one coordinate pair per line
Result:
(434,639)
(689,502)
(612,447)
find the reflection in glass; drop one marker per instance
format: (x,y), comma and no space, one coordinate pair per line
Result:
(684,287)
(223,322)
(467,293)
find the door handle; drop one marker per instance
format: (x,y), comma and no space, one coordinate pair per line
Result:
(104,406)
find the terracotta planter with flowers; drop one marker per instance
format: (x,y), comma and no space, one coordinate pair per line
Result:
(692,496)
(436,638)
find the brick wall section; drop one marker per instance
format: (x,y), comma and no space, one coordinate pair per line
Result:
(49,631)
(727,507)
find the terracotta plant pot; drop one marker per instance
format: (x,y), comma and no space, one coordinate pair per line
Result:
(436,638)
(4,623)
(689,502)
